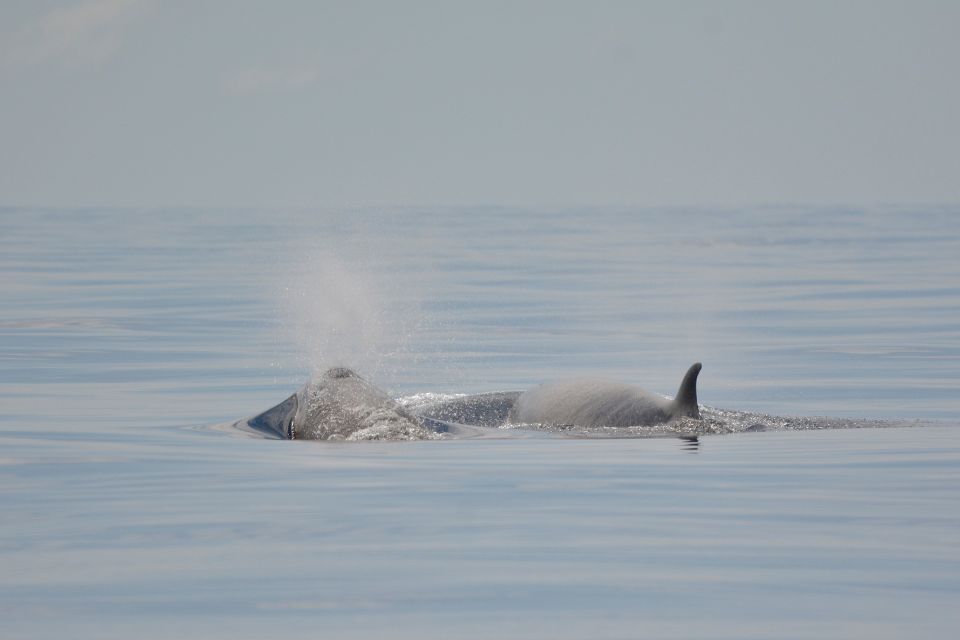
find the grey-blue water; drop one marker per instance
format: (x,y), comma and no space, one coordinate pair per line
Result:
(124,335)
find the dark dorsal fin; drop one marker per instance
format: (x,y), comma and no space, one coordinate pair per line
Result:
(686,399)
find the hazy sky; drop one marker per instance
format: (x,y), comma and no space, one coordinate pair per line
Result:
(138,102)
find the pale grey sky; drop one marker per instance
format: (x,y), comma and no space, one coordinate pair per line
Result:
(151,103)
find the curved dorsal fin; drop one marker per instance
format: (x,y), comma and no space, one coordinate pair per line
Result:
(685,402)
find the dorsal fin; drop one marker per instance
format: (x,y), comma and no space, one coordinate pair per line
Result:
(685,402)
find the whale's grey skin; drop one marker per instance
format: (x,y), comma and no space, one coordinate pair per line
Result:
(603,403)
(480,410)
(340,405)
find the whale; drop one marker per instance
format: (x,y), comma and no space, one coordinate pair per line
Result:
(593,402)
(339,404)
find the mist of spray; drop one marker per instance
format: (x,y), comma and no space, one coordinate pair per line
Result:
(340,313)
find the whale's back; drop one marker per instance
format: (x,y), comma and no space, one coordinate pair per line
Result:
(590,402)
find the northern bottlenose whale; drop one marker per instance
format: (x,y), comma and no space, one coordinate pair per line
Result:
(603,403)
(341,405)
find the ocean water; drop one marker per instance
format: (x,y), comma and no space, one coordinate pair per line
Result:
(128,338)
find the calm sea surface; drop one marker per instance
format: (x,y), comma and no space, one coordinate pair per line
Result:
(126,334)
